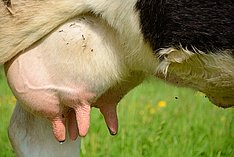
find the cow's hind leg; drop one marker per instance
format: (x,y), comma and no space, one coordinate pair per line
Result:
(32,136)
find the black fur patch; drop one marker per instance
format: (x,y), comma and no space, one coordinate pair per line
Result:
(207,25)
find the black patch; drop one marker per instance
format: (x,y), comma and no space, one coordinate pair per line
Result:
(205,24)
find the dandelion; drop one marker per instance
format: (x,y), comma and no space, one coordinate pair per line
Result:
(152,110)
(8,100)
(162,104)
(11,100)
(223,119)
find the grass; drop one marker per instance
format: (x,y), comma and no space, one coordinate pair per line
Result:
(155,120)
(7,102)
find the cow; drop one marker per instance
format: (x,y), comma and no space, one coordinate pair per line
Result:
(55,78)
(187,43)
(191,42)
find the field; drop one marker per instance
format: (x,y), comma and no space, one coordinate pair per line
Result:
(155,120)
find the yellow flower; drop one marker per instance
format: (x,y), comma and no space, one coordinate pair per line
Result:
(152,110)
(223,119)
(8,100)
(162,104)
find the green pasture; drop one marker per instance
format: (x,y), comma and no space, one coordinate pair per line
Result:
(155,120)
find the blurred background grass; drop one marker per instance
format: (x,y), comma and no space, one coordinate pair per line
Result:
(155,120)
